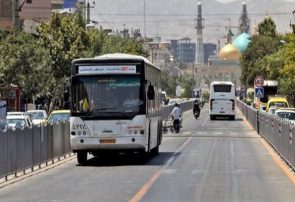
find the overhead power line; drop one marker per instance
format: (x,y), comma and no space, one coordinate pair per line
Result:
(190,15)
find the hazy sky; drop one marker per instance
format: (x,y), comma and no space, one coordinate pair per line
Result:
(228,1)
(174,19)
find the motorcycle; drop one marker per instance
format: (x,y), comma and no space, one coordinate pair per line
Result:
(196,110)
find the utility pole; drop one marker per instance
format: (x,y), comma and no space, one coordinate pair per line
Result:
(15,13)
(16,8)
(292,25)
(88,10)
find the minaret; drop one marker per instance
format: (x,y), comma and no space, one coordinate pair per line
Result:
(199,26)
(244,20)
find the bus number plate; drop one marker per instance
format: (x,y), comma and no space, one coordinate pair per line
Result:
(107,141)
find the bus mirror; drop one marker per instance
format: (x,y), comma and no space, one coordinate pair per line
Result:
(151,92)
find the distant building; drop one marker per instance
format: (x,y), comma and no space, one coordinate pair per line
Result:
(58,4)
(30,14)
(6,22)
(209,49)
(218,70)
(183,50)
(159,54)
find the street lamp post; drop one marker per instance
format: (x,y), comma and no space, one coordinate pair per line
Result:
(88,10)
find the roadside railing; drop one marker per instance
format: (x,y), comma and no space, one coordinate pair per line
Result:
(23,150)
(277,132)
(184,106)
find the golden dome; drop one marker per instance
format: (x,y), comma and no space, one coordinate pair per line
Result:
(229,52)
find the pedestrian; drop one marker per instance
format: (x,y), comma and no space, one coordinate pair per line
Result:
(176,114)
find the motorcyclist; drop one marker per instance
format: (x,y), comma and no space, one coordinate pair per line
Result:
(176,114)
(197,109)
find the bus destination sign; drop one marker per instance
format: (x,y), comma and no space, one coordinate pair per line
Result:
(122,69)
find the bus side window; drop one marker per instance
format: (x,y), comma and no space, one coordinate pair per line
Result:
(151,92)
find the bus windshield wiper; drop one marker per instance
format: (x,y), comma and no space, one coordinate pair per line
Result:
(103,108)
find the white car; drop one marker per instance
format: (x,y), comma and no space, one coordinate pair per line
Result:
(38,116)
(16,113)
(287,114)
(18,122)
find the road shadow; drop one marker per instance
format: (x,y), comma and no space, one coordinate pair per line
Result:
(127,159)
(226,119)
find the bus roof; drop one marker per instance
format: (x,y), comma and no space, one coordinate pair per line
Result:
(222,82)
(118,56)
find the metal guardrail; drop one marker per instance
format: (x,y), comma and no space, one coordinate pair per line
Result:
(278,132)
(21,150)
(184,106)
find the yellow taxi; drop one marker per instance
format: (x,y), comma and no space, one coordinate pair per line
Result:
(58,116)
(277,102)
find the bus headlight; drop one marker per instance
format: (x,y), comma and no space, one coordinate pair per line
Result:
(136,129)
(136,132)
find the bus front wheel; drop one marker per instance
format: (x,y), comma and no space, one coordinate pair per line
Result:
(155,151)
(82,157)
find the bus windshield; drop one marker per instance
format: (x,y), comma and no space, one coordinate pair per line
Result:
(222,88)
(107,96)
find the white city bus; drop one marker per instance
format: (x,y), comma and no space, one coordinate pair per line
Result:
(101,119)
(222,99)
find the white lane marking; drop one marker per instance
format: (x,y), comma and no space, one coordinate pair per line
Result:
(169,171)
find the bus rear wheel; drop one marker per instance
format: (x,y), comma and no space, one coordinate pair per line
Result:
(81,157)
(155,151)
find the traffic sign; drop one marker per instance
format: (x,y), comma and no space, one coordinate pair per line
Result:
(259,92)
(258,81)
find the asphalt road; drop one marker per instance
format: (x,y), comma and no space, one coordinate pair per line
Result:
(219,160)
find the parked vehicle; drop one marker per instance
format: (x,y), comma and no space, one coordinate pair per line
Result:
(277,102)
(58,116)
(18,122)
(38,116)
(286,114)
(17,113)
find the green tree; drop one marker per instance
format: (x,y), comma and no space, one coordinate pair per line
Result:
(118,44)
(169,84)
(263,45)
(23,63)
(97,39)
(188,83)
(287,78)
(267,27)
(66,39)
